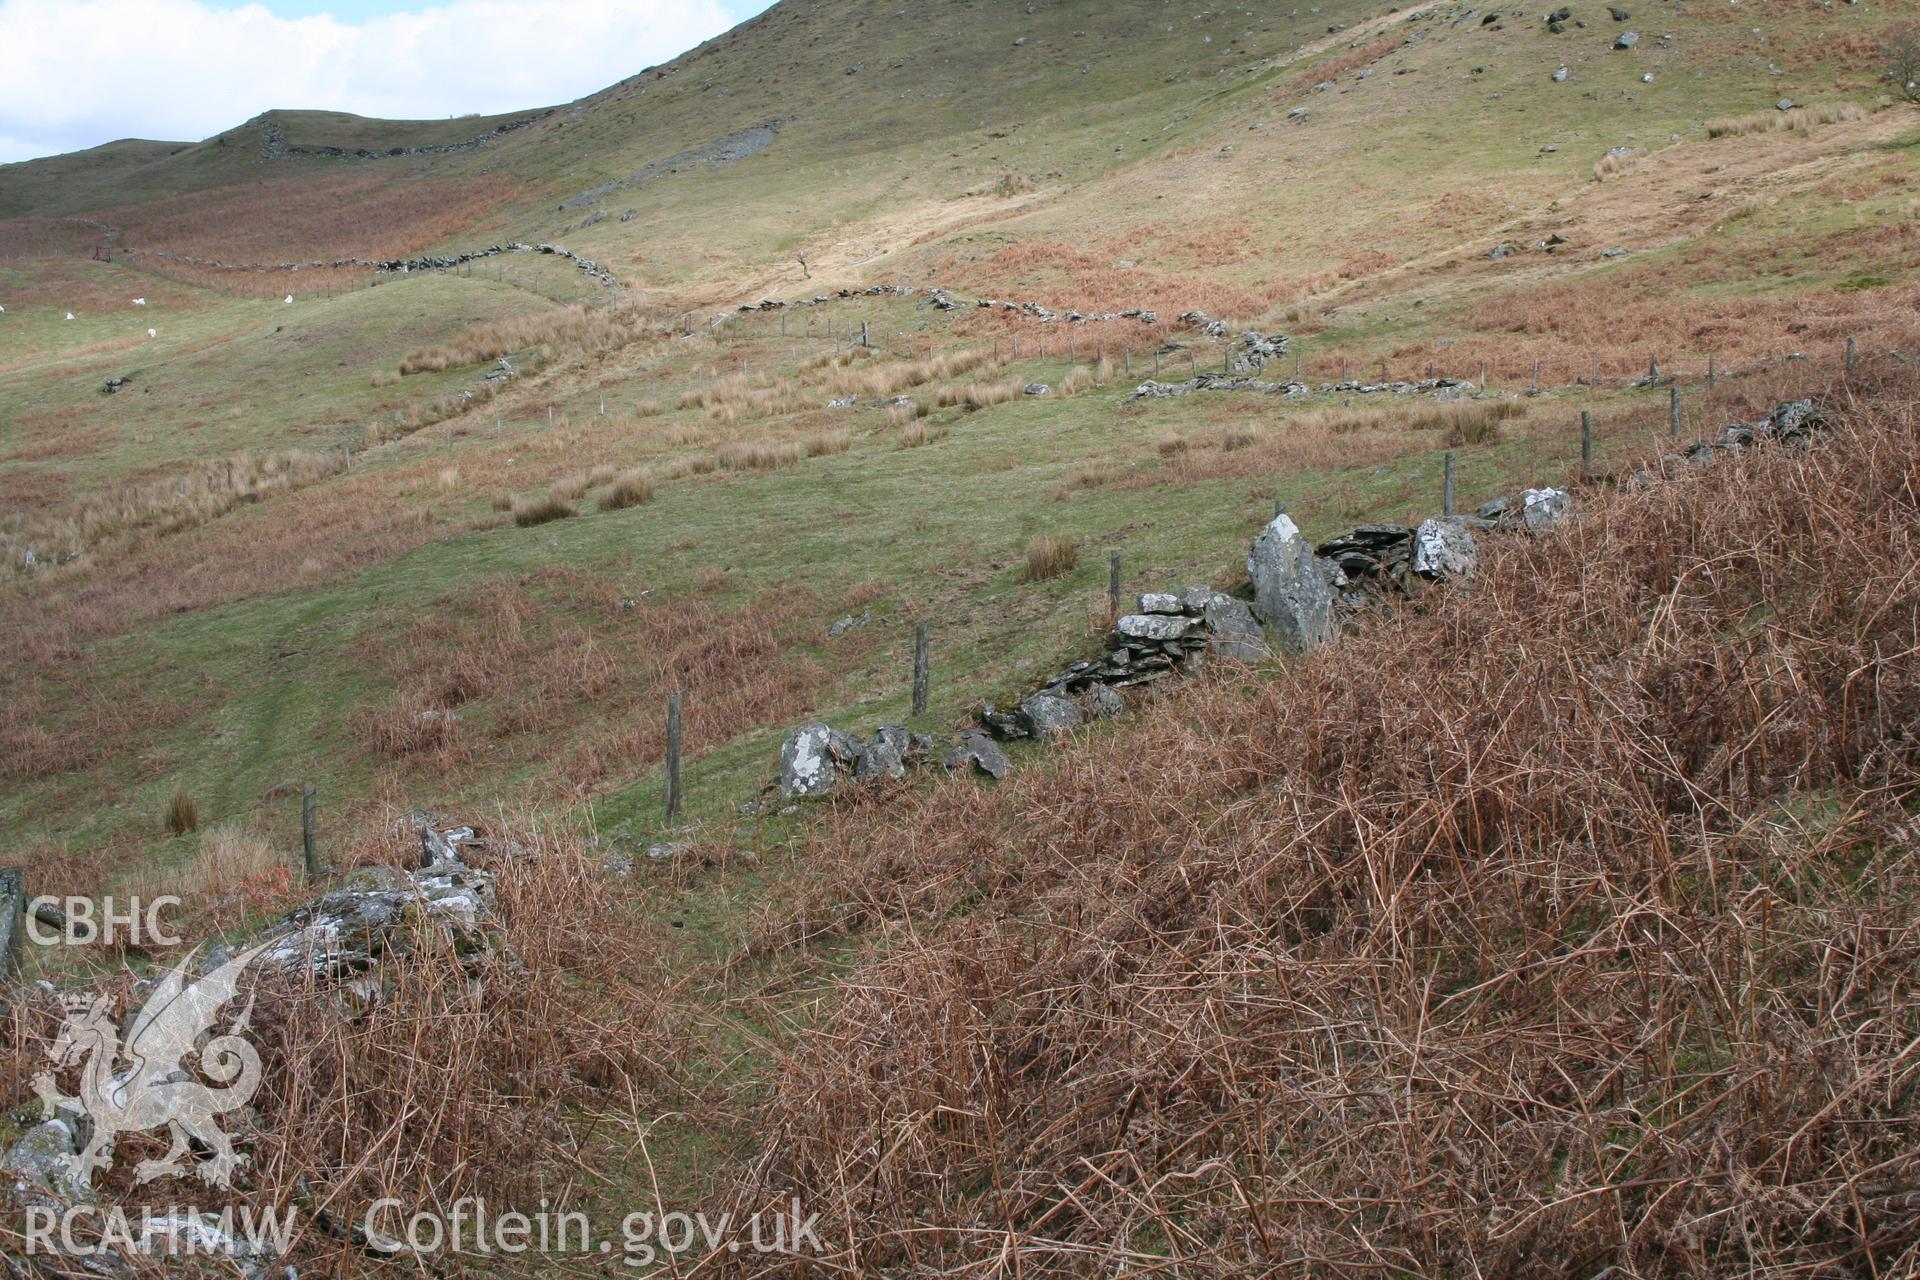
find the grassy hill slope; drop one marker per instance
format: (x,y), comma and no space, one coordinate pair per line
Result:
(448,540)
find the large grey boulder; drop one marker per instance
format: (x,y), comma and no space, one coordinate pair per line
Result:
(1544,508)
(1445,548)
(1292,588)
(1233,632)
(978,751)
(890,753)
(813,760)
(1048,715)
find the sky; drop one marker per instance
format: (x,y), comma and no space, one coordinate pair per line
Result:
(77,73)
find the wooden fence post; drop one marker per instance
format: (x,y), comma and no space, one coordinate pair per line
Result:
(309,853)
(1849,354)
(1536,374)
(1673,411)
(13,907)
(673,756)
(1586,445)
(1113,584)
(1712,373)
(1446,488)
(920,674)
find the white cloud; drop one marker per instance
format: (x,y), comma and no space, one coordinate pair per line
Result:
(76,73)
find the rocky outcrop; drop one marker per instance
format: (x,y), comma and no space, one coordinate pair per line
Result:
(1292,587)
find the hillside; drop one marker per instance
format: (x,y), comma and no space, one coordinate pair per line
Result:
(1551,918)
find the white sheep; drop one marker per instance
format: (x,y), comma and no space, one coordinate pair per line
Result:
(153,333)
(289,299)
(139,302)
(69,315)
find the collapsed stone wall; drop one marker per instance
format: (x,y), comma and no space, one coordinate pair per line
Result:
(395,266)
(1301,595)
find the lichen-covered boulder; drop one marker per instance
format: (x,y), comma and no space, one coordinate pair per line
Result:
(814,759)
(1047,715)
(1445,548)
(1292,588)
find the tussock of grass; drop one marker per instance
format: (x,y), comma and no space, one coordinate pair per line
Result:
(821,444)
(631,490)
(1051,555)
(183,813)
(566,331)
(542,508)
(1798,120)
(760,455)
(1615,163)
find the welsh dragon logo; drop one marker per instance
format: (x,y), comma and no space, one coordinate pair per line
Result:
(144,1083)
